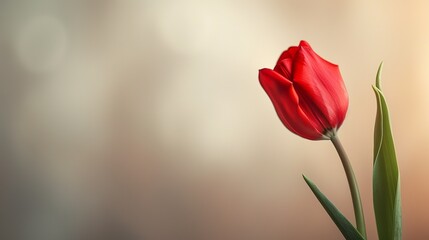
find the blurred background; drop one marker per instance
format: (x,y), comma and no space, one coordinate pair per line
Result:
(145,119)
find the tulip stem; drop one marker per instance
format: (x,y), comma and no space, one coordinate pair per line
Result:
(354,189)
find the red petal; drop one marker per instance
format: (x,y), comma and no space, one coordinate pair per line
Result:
(321,84)
(286,103)
(284,67)
(288,54)
(304,43)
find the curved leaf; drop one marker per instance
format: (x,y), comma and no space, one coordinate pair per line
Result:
(386,187)
(346,228)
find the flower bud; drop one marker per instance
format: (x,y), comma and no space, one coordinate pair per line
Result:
(308,92)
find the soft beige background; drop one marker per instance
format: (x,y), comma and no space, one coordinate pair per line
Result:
(145,119)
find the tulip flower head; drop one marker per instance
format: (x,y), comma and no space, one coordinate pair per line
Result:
(308,92)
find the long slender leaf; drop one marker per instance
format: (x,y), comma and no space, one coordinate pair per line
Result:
(386,185)
(346,228)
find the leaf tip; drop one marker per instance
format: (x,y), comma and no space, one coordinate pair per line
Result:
(378,78)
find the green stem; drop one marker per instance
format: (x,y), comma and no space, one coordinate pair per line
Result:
(354,189)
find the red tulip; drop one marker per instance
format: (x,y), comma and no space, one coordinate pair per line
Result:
(307,92)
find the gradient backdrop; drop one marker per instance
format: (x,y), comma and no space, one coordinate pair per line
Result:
(132,119)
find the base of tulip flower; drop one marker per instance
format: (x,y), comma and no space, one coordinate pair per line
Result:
(329,134)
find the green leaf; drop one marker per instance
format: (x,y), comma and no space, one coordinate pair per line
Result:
(386,187)
(346,228)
